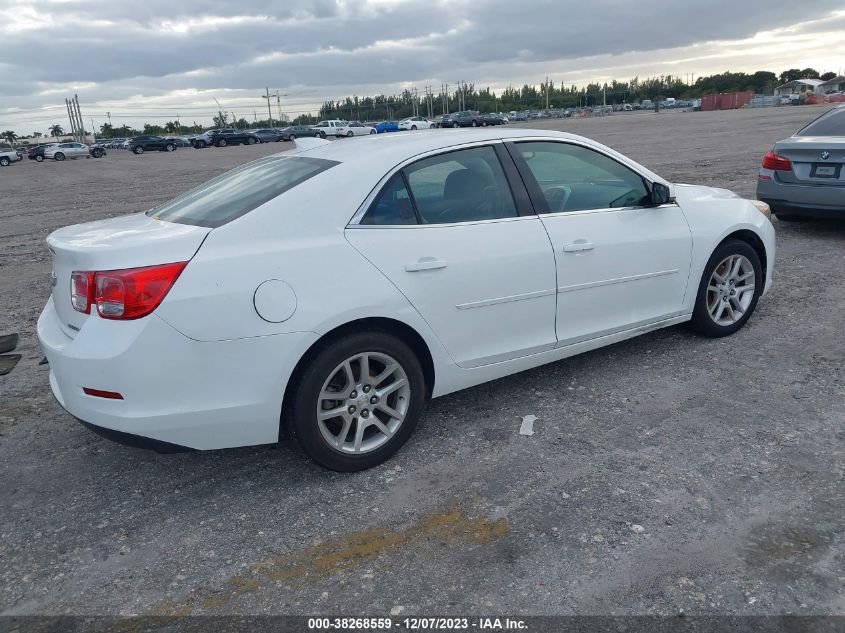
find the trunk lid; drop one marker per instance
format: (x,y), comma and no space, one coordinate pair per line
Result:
(817,160)
(125,242)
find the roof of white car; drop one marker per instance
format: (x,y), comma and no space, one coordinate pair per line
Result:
(401,146)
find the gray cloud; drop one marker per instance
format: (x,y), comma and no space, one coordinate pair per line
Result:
(111,50)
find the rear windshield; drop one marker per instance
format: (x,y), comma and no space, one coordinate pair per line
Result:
(239,191)
(831,123)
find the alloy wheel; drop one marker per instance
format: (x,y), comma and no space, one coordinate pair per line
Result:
(363,403)
(730,290)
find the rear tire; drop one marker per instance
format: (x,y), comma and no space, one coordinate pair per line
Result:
(169,147)
(4,162)
(138,150)
(39,158)
(720,296)
(325,373)
(59,156)
(349,134)
(292,137)
(250,141)
(222,142)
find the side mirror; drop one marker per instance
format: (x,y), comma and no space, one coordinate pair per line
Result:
(660,194)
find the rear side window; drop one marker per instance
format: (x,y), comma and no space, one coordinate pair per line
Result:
(392,206)
(462,186)
(831,123)
(239,191)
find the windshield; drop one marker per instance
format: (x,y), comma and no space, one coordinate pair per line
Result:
(239,191)
(831,123)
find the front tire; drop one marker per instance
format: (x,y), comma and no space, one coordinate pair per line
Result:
(4,162)
(59,156)
(138,150)
(250,141)
(222,142)
(169,147)
(39,158)
(357,401)
(728,291)
(292,137)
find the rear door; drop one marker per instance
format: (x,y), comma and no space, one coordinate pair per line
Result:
(461,241)
(621,263)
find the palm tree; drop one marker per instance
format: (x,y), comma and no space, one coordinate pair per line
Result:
(171,127)
(56,130)
(106,130)
(10,136)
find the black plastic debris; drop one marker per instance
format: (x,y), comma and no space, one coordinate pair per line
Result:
(8,362)
(8,342)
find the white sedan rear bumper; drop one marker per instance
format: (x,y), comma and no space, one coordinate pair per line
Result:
(199,395)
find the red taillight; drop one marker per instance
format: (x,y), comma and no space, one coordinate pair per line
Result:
(124,294)
(776,162)
(81,291)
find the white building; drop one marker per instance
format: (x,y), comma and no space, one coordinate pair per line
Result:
(832,85)
(798,86)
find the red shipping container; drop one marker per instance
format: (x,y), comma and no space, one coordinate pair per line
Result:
(726,100)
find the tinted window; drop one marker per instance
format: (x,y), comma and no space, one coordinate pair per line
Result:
(574,178)
(831,123)
(392,206)
(462,186)
(239,191)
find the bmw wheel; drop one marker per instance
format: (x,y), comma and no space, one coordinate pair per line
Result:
(729,289)
(357,401)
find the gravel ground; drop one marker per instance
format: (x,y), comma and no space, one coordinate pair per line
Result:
(666,473)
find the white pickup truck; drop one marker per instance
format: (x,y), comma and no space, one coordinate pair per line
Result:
(329,127)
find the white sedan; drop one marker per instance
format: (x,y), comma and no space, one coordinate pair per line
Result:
(416,123)
(335,288)
(355,129)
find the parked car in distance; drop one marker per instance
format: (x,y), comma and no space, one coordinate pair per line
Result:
(268,135)
(416,123)
(386,126)
(804,175)
(467,118)
(37,153)
(356,128)
(447,120)
(225,136)
(491,118)
(63,151)
(512,229)
(328,127)
(8,156)
(150,143)
(293,132)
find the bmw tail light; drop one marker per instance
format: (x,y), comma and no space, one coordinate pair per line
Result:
(81,291)
(133,293)
(125,294)
(776,162)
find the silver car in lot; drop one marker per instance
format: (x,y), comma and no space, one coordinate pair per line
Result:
(804,175)
(8,156)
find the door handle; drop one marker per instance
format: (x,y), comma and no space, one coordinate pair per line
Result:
(577,246)
(425,263)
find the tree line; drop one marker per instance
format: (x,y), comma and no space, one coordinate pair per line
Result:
(468,97)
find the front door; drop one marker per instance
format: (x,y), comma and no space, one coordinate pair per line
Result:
(448,233)
(621,263)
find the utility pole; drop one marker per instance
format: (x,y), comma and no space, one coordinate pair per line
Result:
(269,111)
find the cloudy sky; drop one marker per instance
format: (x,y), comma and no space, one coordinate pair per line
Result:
(149,60)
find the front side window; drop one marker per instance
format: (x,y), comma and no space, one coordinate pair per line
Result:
(240,190)
(575,178)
